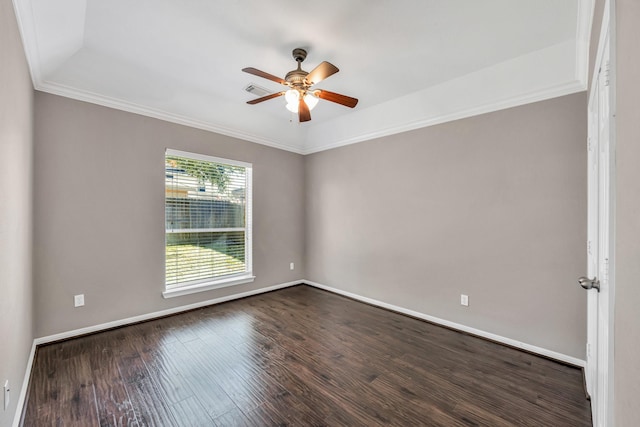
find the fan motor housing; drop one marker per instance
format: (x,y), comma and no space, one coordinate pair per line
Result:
(296,77)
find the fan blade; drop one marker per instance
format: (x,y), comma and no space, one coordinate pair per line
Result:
(347,101)
(321,72)
(303,111)
(266,98)
(264,75)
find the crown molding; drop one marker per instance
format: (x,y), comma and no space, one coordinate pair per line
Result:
(85,96)
(118,104)
(489,107)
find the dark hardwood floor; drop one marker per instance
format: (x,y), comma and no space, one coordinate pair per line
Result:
(297,356)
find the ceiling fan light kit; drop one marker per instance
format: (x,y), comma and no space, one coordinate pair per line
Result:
(301,99)
(292,96)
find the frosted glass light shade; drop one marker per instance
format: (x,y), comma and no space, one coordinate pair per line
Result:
(292,96)
(311,100)
(293,99)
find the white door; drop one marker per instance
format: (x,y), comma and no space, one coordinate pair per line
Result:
(599,280)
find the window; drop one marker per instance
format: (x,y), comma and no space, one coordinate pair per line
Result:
(207,223)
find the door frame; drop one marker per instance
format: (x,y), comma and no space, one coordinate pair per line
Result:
(601,314)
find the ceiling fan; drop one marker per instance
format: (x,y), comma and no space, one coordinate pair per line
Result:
(301,98)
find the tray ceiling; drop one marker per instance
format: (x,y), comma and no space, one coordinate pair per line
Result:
(411,63)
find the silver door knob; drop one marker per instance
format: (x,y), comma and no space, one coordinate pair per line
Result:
(587,283)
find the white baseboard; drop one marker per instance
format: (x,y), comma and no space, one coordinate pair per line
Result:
(473,331)
(25,384)
(157,314)
(123,322)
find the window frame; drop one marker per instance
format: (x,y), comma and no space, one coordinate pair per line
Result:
(202,285)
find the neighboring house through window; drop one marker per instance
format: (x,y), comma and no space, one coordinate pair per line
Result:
(207,223)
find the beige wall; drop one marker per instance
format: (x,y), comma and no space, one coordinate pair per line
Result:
(627,263)
(99,212)
(16,148)
(492,206)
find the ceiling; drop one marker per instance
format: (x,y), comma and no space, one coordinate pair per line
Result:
(411,63)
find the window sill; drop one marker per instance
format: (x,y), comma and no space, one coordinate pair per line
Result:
(207,286)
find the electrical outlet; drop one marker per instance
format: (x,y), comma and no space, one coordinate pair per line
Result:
(464,300)
(291,266)
(7,396)
(78,300)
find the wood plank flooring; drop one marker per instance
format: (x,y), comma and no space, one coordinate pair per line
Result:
(297,356)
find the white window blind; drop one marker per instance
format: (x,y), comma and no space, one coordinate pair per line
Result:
(207,219)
